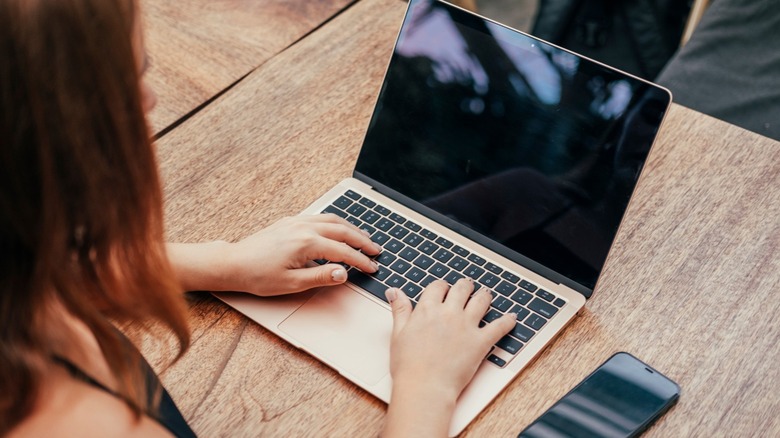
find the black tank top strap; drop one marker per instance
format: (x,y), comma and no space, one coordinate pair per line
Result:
(168,414)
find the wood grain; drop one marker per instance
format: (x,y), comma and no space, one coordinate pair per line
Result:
(690,286)
(200,47)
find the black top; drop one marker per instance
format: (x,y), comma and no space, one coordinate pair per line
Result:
(168,414)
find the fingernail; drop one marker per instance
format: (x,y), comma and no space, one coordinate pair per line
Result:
(377,247)
(391,294)
(339,275)
(375,265)
(366,232)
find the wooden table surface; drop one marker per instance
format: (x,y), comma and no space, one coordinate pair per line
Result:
(198,48)
(690,286)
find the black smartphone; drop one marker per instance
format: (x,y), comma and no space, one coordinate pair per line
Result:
(622,398)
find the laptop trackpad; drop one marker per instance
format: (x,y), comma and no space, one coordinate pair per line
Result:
(346,330)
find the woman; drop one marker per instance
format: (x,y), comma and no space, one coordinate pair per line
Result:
(81,244)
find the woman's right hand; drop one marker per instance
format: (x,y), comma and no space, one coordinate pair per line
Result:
(435,351)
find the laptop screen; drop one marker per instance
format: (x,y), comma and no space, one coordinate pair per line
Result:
(510,138)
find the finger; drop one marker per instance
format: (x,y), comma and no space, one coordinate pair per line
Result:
(329,274)
(479,304)
(434,293)
(459,293)
(340,252)
(497,329)
(349,234)
(401,307)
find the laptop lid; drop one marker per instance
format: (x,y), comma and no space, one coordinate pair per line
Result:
(529,149)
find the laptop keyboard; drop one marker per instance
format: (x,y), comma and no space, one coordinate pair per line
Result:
(413,257)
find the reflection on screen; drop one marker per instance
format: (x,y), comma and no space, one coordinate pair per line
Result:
(515,139)
(614,402)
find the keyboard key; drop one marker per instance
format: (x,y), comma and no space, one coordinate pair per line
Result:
(477,260)
(543,308)
(509,344)
(439,270)
(428,280)
(397,218)
(385,224)
(320,261)
(370,216)
(493,268)
(545,295)
(444,242)
(522,297)
(489,280)
(559,302)
(530,287)
(381,210)
(354,221)
(491,315)
(428,234)
(461,251)
(351,194)
(505,288)
(367,202)
(457,263)
(382,273)
(520,311)
(399,232)
(343,202)
(380,238)
(386,258)
(413,226)
(336,211)
(356,209)
(411,290)
(428,247)
(409,254)
(474,272)
(371,285)
(522,332)
(535,321)
(415,274)
(413,240)
(396,281)
(394,246)
(496,360)
(424,262)
(501,304)
(453,277)
(443,255)
(400,266)
(510,277)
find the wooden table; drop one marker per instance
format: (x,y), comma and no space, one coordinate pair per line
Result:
(199,48)
(690,286)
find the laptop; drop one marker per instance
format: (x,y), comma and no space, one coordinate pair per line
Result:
(490,154)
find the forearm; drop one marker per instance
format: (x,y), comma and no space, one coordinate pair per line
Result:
(418,413)
(200,266)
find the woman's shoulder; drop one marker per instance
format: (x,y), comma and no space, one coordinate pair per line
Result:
(70,407)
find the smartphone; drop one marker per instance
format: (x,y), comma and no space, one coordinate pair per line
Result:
(622,398)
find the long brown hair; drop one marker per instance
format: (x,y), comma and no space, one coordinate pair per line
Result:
(80,198)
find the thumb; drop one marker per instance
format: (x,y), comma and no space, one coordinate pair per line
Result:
(401,306)
(329,274)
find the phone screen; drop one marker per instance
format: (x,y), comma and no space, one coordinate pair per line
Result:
(620,399)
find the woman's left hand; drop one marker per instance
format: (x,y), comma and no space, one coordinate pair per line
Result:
(274,261)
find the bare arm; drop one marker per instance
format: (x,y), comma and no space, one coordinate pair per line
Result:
(274,260)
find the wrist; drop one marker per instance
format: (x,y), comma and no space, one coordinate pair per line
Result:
(202,266)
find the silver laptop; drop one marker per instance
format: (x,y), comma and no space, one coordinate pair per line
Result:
(490,154)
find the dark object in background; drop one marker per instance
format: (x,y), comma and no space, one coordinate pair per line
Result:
(730,68)
(637,36)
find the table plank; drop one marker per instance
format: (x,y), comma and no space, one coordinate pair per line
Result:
(690,286)
(199,49)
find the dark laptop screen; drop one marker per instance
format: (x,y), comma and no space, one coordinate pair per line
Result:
(530,145)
